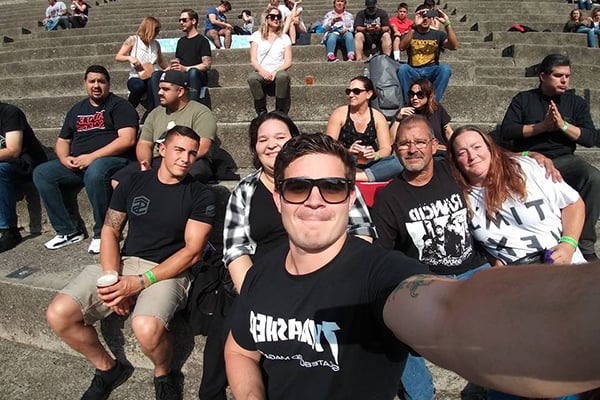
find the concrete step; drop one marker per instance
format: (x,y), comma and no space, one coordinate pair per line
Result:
(530,54)
(492,25)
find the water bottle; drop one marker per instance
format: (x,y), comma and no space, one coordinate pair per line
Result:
(366,73)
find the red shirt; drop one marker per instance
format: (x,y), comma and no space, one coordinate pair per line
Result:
(403,26)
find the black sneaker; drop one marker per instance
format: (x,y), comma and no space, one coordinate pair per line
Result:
(9,238)
(168,387)
(105,382)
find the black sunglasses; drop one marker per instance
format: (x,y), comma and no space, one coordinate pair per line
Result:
(274,16)
(297,190)
(356,91)
(184,20)
(419,94)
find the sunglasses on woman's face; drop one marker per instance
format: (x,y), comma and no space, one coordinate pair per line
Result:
(274,17)
(420,95)
(356,91)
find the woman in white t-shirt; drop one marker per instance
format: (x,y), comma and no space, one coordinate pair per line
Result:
(515,209)
(271,57)
(142,52)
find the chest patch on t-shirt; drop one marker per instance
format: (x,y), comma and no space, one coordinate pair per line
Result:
(140,205)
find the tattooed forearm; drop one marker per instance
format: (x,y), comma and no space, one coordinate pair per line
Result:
(115,219)
(413,284)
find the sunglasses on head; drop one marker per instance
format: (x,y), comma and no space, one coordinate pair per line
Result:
(274,17)
(184,20)
(420,95)
(356,91)
(298,190)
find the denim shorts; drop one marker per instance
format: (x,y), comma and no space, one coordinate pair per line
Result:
(160,300)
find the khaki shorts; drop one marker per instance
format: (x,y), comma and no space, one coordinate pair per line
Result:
(160,300)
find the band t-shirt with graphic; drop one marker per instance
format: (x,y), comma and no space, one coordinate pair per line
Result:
(90,128)
(524,227)
(321,335)
(429,222)
(157,213)
(424,48)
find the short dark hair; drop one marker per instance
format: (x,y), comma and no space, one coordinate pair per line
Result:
(314,143)
(402,5)
(97,69)
(182,131)
(553,60)
(367,83)
(191,13)
(261,119)
(226,4)
(422,7)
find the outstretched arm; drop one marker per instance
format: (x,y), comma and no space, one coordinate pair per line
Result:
(531,331)
(243,371)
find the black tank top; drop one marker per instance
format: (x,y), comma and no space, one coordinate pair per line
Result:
(349,135)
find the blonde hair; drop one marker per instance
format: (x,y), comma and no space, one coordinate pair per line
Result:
(147,29)
(264,28)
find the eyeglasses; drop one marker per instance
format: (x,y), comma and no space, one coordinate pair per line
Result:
(356,91)
(274,17)
(298,190)
(184,20)
(420,95)
(419,144)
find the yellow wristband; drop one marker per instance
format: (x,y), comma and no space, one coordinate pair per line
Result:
(150,275)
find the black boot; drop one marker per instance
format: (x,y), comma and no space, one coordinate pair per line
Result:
(282,105)
(260,106)
(9,238)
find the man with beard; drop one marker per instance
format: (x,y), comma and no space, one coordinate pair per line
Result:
(371,27)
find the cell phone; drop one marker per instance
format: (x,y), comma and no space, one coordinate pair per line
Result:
(432,13)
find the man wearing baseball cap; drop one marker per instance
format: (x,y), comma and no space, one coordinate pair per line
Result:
(372,27)
(175,109)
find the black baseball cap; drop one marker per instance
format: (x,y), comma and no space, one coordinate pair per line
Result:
(248,12)
(370,3)
(174,77)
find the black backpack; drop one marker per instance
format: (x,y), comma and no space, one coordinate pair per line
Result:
(383,72)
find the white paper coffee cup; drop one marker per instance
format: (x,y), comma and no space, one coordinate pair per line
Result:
(109,278)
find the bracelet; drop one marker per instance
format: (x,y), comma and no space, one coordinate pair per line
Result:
(565,126)
(525,153)
(568,239)
(150,275)
(447,23)
(142,281)
(376,156)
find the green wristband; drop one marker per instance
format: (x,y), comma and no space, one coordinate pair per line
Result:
(447,23)
(150,275)
(568,239)
(565,126)
(525,153)
(376,156)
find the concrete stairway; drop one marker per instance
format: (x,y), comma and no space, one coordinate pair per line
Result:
(42,72)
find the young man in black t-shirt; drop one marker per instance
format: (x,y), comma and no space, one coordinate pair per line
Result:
(20,152)
(96,140)
(316,317)
(169,216)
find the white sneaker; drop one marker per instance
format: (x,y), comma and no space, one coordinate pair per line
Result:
(94,246)
(59,241)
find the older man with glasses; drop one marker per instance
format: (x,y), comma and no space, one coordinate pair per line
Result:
(423,46)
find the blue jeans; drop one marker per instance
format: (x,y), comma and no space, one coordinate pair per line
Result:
(51,178)
(439,75)
(584,4)
(591,33)
(8,205)
(334,38)
(197,80)
(416,378)
(384,169)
